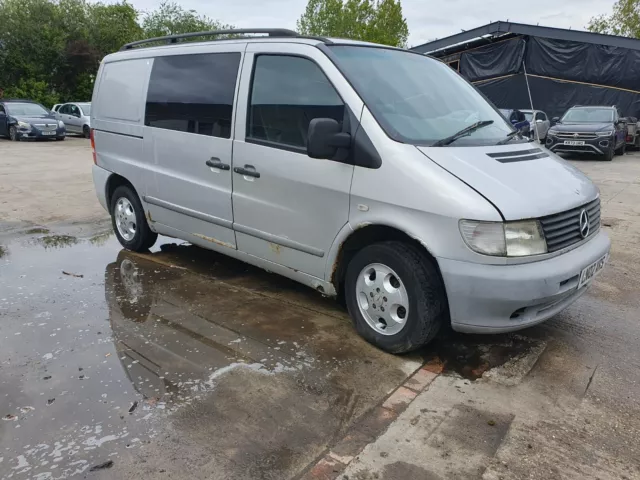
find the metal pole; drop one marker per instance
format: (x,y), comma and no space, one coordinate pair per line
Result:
(535,127)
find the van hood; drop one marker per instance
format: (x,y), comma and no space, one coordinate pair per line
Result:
(523,180)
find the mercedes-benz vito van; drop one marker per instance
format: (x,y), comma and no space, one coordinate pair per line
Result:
(363,171)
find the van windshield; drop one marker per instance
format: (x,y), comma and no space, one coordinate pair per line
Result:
(417,99)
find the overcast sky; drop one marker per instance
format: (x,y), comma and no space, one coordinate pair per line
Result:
(427,19)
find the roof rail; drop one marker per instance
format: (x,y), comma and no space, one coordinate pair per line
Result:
(272,32)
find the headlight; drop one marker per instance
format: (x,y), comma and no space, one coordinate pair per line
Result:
(552,132)
(25,125)
(60,124)
(607,133)
(511,239)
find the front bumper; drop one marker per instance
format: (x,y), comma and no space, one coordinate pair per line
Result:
(596,146)
(36,133)
(505,298)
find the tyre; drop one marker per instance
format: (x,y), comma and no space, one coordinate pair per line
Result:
(86,131)
(13,133)
(60,139)
(129,222)
(395,296)
(608,155)
(622,149)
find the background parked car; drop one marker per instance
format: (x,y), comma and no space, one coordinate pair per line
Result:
(26,119)
(55,108)
(633,132)
(518,120)
(539,123)
(76,116)
(595,130)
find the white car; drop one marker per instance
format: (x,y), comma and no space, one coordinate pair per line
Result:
(76,117)
(539,123)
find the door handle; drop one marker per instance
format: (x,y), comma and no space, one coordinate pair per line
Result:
(246,171)
(216,163)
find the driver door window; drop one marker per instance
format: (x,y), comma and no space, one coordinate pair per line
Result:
(288,92)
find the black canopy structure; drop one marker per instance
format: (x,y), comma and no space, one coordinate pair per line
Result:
(558,67)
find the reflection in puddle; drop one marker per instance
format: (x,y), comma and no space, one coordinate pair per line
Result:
(56,241)
(4,251)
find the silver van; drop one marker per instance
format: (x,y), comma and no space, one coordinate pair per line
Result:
(365,172)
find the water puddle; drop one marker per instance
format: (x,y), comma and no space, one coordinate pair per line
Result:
(506,358)
(105,351)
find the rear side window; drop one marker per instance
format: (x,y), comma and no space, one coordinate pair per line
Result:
(193,93)
(287,93)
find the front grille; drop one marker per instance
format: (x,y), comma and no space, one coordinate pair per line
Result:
(576,135)
(45,126)
(562,230)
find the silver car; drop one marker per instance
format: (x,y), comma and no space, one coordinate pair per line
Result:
(540,124)
(363,171)
(76,117)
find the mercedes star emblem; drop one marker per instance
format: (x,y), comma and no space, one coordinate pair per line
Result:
(584,224)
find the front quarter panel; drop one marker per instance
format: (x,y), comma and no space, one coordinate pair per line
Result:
(415,195)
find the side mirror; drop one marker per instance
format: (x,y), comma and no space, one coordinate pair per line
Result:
(555,119)
(324,137)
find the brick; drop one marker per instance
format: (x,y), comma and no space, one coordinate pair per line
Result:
(435,366)
(420,380)
(326,469)
(369,427)
(399,399)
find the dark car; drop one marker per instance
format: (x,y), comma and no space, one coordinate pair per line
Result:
(594,130)
(518,119)
(26,119)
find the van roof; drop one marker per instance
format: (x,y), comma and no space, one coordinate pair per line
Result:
(177,41)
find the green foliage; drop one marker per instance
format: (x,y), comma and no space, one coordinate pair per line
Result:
(624,20)
(30,89)
(50,50)
(170,19)
(378,21)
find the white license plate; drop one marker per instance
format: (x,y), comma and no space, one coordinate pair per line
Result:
(47,133)
(591,271)
(574,142)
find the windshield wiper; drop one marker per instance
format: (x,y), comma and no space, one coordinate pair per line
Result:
(462,133)
(509,137)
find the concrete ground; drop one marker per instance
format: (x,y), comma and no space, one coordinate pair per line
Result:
(182,363)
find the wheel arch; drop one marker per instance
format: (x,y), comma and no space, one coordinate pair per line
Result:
(114,182)
(351,240)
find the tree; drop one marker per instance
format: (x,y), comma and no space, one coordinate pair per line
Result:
(170,18)
(624,20)
(378,21)
(50,50)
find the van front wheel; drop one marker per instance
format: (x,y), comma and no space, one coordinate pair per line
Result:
(129,222)
(395,296)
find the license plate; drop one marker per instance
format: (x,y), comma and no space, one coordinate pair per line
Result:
(591,271)
(47,133)
(574,142)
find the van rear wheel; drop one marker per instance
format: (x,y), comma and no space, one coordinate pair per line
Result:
(395,296)
(129,222)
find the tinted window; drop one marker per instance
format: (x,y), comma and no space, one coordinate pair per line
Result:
(541,116)
(64,109)
(193,93)
(287,93)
